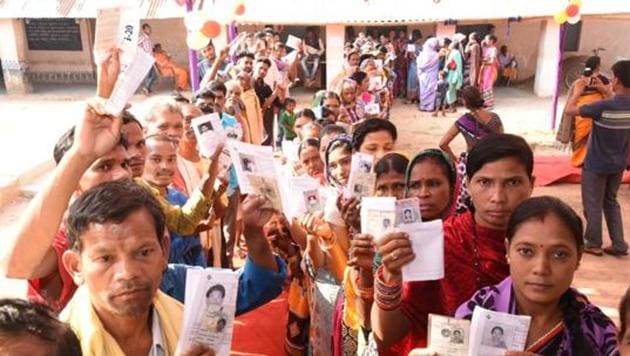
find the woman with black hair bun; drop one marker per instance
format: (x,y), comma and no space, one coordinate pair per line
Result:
(544,249)
(473,126)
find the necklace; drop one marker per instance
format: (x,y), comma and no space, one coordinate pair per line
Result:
(475,251)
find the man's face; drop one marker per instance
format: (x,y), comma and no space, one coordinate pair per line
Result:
(496,189)
(246,64)
(147,30)
(246,80)
(353,60)
(136,150)
(167,123)
(161,163)
(190,112)
(261,70)
(208,52)
(219,101)
(110,167)
(121,264)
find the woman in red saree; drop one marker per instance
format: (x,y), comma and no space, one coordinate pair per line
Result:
(500,175)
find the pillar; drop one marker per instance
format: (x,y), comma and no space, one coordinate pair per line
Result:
(335,37)
(13,56)
(547,61)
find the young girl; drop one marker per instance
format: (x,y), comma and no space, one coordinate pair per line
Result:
(440,94)
(544,249)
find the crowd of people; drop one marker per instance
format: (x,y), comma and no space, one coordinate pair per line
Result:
(133,206)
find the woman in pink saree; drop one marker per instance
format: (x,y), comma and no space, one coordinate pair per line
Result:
(489,70)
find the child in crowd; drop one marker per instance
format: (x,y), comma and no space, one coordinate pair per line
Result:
(440,97)
(287,119)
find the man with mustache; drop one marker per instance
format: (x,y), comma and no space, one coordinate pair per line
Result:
(118,254)
(159,170)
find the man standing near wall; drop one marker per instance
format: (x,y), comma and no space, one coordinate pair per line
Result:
(605,157)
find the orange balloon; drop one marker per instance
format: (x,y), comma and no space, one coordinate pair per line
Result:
(211,29)
(572,10)
(240,9)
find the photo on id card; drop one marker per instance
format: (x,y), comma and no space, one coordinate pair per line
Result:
(210,309)
(448,336)
(267,187)
(362,180)
(312,200)
(408,211)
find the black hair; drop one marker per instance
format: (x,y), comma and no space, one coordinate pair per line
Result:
(204,93)
(365,56)
(145,25)
(472,97)
(289,100)
(369,126)
(217,85)
(332,128)
(306,112)
(309,142)
(111,202)
(621,70)
(537,208)
(392,161)
(265,61)
(592,62)
(129,118)
(447,41)
(20,318)
(215,288)
(493,38)
(497,328)
(245,54)
(624,309)
(359,76)
(494,147)
(65,142)
(415,35)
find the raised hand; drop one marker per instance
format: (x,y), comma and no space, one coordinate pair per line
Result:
(349,209)
(213,171)
(314,224)
(395,248)
(362,251)
(254,215)
(108,71)
(96,134)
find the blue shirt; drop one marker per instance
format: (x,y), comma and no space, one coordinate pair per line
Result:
(256,285)
(184,249)
(607,149)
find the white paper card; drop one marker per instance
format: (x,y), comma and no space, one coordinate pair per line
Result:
(427,243)
(208,134)
(251,160)
(361,180)
(209,309)
(290,150)
(117,27)
(448,336)
(372,109)
(128,82)
(411,48)
(493,333)
(294,42)
(378,215)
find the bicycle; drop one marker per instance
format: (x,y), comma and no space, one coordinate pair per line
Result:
(573,67)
